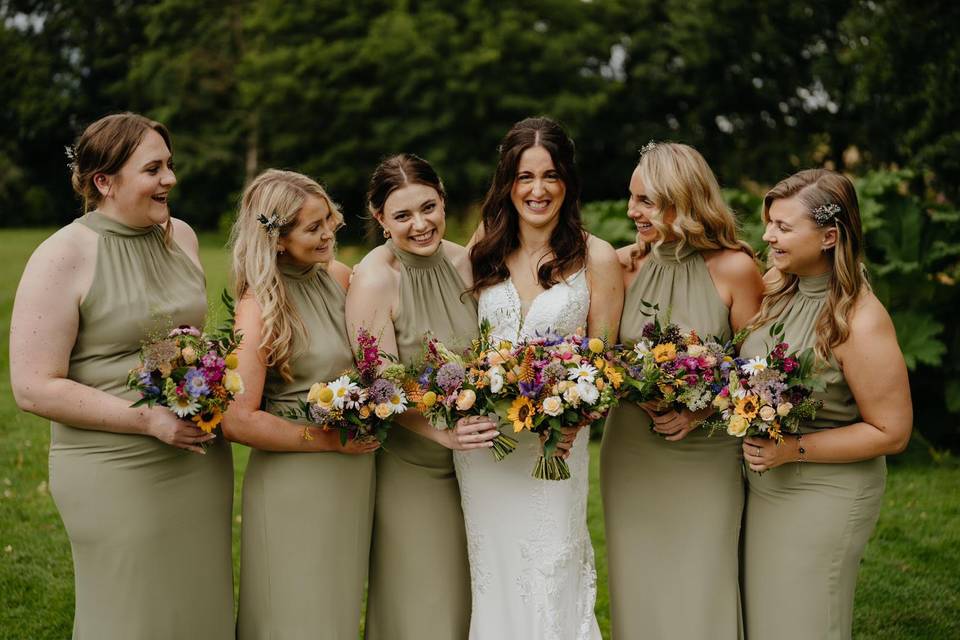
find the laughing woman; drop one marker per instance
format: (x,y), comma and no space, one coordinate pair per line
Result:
(307,502)
(810,514)
(148,517)
(413,285)
(672,496)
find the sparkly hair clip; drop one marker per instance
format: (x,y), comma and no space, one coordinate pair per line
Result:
(71,154)
(271,224)
(647,148)
(825,213)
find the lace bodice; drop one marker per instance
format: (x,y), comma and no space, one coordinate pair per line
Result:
(562,308)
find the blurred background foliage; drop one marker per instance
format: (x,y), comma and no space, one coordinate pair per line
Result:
(762,88)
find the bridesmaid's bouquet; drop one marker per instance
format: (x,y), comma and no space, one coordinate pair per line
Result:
(673,369)
(448,386)
(768,395)
(360,403)
(191,373)
(550,382)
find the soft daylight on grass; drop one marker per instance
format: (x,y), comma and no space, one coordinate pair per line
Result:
(909,583)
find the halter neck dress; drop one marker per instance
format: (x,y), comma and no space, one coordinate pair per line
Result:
(149,523)
(672,509)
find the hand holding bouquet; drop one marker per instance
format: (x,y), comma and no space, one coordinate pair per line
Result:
(191,373)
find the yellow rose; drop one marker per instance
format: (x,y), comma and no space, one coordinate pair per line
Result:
(383,411)
(465,399)
(784,409)
(595,345)
(429,399)
(767,413)
(665,352)
(738,426)
(314,394)
(189,355)
(365,411)
(325,396)
(553,406)
(232,361)
(599,384)
(232,382)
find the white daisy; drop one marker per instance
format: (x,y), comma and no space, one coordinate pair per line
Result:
(398,401)
(753,366)
(184,406)
(496,379)
(583,372)
(587,391)
(642,348)
(341,388)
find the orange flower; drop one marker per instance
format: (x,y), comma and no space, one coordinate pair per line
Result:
(747,407)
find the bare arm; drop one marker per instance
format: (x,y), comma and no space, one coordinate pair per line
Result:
(374,283)
(186,239)
(739,283)
(246,423)
(877,375)
(43,331)
(606,290)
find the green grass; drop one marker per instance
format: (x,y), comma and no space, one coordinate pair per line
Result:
(909,583)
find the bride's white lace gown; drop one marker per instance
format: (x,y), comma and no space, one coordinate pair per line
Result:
(531,560)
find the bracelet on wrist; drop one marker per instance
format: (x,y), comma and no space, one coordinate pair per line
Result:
(801,451)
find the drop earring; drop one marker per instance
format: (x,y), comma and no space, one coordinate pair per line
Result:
(386,232)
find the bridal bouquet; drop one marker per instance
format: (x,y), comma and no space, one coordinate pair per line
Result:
(191,373)
(768,395)
(361,402)
(675,370)
(551,382)
(449,386)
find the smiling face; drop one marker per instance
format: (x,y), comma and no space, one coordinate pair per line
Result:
(311,241)
(797,244)
(415,217)
(538,190)
(137,193)
(642,210)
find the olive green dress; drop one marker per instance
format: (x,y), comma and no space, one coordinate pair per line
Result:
(672,509)
(149,524)
(305,539)
(807,524)
(419,574)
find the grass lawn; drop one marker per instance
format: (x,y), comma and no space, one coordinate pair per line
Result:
(909,583)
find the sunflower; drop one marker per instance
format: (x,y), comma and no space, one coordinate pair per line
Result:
(521,414)
(665,352)
(614,376)
(747,406)
(210,423)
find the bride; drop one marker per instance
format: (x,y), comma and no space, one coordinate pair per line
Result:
(535,269)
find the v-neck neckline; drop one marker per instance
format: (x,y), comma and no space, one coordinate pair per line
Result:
(533,301)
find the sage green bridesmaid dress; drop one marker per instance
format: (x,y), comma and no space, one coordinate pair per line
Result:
(419,574)
(807,524)
(672,509)
(149,524)
(307,517)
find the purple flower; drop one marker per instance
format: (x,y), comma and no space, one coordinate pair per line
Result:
(185,330)
(195,383)
(530,389)
(450,377)
(381,390)
(424,378)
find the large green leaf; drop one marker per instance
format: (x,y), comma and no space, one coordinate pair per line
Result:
(917,333)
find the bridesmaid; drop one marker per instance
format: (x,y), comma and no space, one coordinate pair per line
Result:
(810,514)
(673,496)
(148,515)
(411,286)
(307,503)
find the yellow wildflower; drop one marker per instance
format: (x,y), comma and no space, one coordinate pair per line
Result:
(614,376)
(595,345)
(738,426)
(232,361)
(210,423)
(428,399)
(747,407)
(665,352)
(521,414)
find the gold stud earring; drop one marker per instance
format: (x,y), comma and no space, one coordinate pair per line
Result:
(386,232)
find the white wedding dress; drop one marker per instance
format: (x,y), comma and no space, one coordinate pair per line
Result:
(531,560)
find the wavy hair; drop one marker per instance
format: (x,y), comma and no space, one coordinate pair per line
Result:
(814,188)
(281,194)
(501,221)
(104,147)
(676,175)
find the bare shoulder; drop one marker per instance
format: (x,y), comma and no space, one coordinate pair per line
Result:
(340,272)
(730,264)
(772,276)
(70,248)
(370,275)
(185,236)
(455,252)
(377,258)
(601,253)
(869,318)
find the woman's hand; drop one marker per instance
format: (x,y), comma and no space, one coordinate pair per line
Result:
(763,454)
(471,432)
(166,427)
(357,446)
(676,425)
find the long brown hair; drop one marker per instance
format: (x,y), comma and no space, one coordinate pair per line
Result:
(814,188)
(104,147)
(501,221)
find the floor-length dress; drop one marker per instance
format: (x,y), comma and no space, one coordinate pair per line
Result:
(149,524)
(307,516)
(531,560)
(672,509)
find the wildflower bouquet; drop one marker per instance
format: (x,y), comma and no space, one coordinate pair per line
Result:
(449,386)
(550,382)
(191,373)
(676,370)
(361,402)
(768,395)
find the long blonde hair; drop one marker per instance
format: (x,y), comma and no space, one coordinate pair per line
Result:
(677,175)
(275,195)
(814,188)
